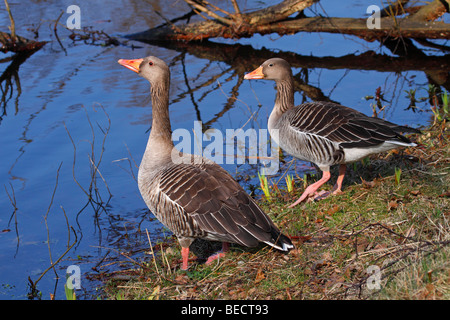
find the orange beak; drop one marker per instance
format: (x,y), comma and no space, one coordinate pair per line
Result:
(133,65)
(255,74)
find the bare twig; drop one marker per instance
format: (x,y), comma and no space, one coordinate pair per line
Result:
(236,7)
(93,193)
(74,160)
(164,258)
(216,8)
(54,191)
(153,254)
(12,28)
(56,33)
(46,216)
(210,13)
(13,201)
(57,261)
(69,246)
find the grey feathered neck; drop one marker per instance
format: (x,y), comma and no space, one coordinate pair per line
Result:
(285,94)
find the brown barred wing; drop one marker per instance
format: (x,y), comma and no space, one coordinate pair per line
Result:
(345,126)
(216,205)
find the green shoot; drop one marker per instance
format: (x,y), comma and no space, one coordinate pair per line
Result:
(70,293)
(445,103)
(365,161)
(305,181)
(264,186)
(398,173)
(290,183)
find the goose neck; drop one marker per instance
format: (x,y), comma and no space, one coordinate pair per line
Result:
(159,145)
(161,129)
(285,95)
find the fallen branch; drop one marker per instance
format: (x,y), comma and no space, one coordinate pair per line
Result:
(234,26)
(18,43)
(432,11)
(14,43)
(277,19)
(358,27)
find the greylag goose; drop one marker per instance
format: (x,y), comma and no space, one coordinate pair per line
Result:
(324,133)
(194,197)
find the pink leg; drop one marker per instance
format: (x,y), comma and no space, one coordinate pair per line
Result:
(220,254)
(185,256)
(312,188)
(338,186)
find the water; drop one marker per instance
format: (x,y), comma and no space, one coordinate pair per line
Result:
(79,92)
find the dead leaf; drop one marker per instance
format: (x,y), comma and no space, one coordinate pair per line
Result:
(430,291)
(347,273)
(305,238)
(238,293)
(333,210)
(169,251)
(430,275)
(445,195)
(296,252)
(309,272)
(367,184)
(393,204)
(288,294)
(327,256)
(301,238)
(415,192)
(251,291)
(259,276)
(411,232)
(319,264)
(182,279)
(362,245)
(155,293)
(380,246)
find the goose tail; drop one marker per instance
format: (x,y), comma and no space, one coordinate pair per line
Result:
(280,241)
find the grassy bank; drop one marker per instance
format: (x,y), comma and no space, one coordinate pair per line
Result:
(386,237)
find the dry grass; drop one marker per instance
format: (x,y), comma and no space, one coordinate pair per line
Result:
(399,226)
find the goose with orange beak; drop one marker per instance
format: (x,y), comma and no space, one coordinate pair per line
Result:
(324,133)
(194,197)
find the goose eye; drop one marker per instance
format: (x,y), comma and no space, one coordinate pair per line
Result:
(271,65)
(150,63)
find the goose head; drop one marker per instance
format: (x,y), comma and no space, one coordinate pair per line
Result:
(151,68)
(272,69)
